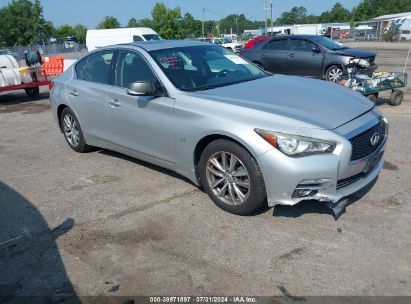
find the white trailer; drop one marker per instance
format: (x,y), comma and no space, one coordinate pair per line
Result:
(101,38)
(306,29)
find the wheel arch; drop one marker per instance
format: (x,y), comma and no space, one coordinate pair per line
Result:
(203,142)
(60,109)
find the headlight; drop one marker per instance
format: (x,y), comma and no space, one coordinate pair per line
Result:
(294,145)
(363,63)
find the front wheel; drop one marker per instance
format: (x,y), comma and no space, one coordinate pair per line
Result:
(333,73)
(232,177)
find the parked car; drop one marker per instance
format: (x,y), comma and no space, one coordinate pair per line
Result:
(297,139)
(228,44)
(250,44)
(308,55)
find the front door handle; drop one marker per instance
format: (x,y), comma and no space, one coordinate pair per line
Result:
(73,93)
(114,103)
(291,55)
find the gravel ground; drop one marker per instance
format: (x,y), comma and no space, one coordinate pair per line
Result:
(102,223)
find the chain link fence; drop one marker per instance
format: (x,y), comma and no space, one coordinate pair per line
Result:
(67,49)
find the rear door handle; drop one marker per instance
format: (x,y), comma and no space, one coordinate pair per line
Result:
(291,55)
(74,93)
(114,103)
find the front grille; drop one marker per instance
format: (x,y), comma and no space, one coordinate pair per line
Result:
(361,144)
(350,180)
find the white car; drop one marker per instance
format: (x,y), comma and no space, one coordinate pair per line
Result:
(228,44)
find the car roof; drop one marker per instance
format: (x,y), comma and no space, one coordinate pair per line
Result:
(295,36)
(165,44)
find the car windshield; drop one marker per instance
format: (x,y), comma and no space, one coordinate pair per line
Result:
(150,37)
(204,67)
(328,43)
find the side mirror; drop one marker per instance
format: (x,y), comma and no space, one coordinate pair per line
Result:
(144,88)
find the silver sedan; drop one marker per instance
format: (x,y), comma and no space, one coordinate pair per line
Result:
(250,139)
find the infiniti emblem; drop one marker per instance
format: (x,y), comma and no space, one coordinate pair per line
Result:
(375,139)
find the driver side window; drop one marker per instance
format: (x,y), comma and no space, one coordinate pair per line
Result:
(132,67)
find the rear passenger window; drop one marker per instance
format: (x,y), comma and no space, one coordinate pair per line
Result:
(278,45)
(137,38)
(95,68)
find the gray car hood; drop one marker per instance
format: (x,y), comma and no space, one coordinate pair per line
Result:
(318,103)
(356,53)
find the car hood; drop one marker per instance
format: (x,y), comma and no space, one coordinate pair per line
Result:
(356,53)
(315,103)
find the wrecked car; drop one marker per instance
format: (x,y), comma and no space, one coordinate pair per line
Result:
(192,107)
(309,55)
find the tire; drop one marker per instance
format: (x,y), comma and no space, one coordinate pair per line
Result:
(242,185)
(396,98)
(333,73)
(76,140)
(373,98)
(33,92)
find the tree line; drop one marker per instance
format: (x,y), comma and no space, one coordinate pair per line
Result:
(22,21)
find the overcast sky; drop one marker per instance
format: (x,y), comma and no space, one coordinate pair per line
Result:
(91,12)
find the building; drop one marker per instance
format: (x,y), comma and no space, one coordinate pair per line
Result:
(380,25)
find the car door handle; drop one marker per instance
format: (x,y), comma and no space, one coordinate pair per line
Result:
(74,93)
(114,103)
(291,55)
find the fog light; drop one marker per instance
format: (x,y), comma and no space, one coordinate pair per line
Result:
(298,193)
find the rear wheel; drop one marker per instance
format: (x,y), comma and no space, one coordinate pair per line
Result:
(72,131)
(232,177)
(33,92)
(333,73)
(396,98)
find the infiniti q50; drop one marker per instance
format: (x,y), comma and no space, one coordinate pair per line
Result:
(247,137)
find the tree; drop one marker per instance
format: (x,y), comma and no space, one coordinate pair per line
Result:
(167,22)
(339,14)
(64,31)
(368,9)
(81,33)
(132,22)
(22,22)
(297,15)
(109,22)
(191,26)
(145,22)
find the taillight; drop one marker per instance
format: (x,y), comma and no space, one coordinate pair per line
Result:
(51,84)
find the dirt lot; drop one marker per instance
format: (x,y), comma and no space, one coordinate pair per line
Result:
(104,224)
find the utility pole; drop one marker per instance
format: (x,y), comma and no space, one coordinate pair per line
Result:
(271,9)
(265,16)
(202,22)
(236,24)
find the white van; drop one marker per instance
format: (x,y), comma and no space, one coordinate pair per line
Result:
(100,38)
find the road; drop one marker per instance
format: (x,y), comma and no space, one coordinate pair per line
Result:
(102,223)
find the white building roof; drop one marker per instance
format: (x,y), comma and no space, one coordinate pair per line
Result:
(393,17)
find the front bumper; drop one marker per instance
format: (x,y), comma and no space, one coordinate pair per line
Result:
(334,176)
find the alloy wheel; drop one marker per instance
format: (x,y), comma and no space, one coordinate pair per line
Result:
(334,74)
(228,178)
(71,131)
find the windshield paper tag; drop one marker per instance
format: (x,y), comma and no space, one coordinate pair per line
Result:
(236,59)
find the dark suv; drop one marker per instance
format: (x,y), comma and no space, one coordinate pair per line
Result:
(309,55)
